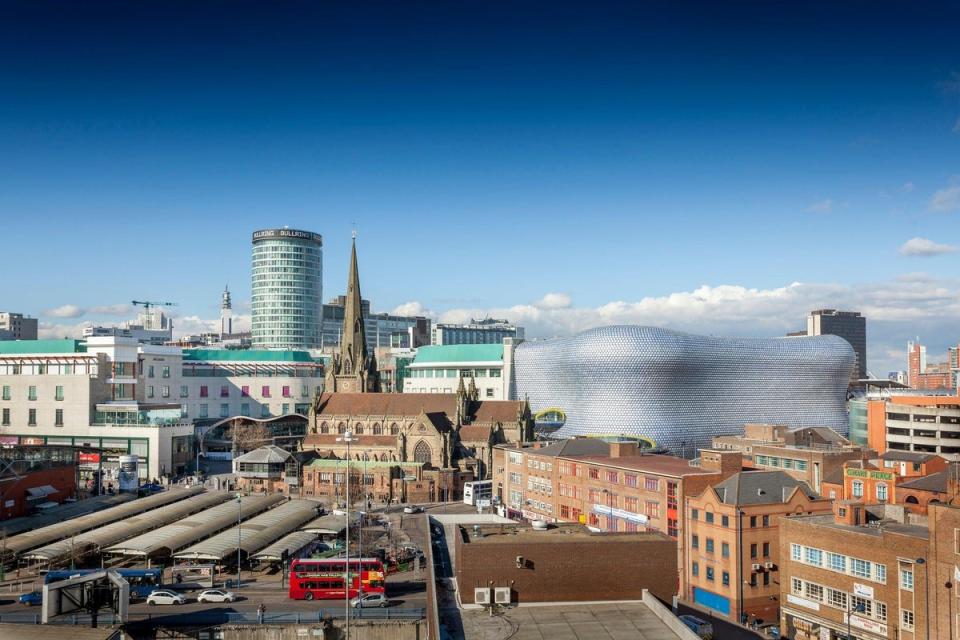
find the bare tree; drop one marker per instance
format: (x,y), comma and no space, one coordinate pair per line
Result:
(250,435)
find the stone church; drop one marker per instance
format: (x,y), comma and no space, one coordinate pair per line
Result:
(452,432)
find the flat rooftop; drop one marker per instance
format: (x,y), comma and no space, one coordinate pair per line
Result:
(554,534)
(876,528)
(653,463)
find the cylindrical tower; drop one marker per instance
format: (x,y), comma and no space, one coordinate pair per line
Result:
(287,288)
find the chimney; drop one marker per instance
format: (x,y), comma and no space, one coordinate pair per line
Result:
(623,449)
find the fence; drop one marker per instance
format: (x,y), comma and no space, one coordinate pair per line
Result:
(190,618)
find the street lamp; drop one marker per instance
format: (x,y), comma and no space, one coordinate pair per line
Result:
(859,608)
(926,592)
(239,534)
(347,437)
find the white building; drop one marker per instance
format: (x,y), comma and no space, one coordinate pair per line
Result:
(65,392)
(439,369)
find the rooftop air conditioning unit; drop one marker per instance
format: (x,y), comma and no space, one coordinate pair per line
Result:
(768,565)
(501,595)
(481,595)
(755,567)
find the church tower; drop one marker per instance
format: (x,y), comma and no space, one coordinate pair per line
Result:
(353,369)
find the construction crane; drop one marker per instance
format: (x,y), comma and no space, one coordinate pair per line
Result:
(146,304)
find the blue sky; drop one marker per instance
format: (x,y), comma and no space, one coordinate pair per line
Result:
(690,163)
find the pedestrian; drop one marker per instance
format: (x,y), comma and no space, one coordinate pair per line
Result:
(260,611)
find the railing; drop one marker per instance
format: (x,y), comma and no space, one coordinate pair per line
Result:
(189,618)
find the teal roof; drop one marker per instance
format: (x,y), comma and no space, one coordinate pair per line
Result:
(244,355)
(41,346)
(452,353)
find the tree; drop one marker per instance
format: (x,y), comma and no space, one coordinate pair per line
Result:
(247,436)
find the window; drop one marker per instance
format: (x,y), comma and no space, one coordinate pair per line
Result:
(766,521)
(859,568)
(245,409)
(58,392)
(694,539)
(725,578)
(150,391)
(203,391)
(725,550)
(836,598)
(203,411)
(285,390)
(265,411)
(672,527)
(224,391)
(630,480)
(837,562)
(753,550)
(814,557)
(753,522)
(695,569)
(724,521)
(653,509)
(6,392)
(6,417)
(906,579)
(708,517)
(857,489)
(224,410)
(709,545)
(906,619)
(58,418)
(796,586)
(184,391)
(766,578)
(795,552)
(766,549)
(166,372)
(880,611)
(695,515)
(710,574)
(880,572)
(165,391)
(245,391)
(882,492)
(651,484)
(32,417)
(612,477)
(595,473)
(150,371)
(865,605)
(489,393)
(265,391)
(285,410)
(813,591)
(31,393)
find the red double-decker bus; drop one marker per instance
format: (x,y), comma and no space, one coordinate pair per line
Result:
(324,579)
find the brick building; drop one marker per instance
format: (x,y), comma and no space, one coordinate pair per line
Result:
(808,455)
(566,562)
(33,478)
(876,481)
(733,542)
(378,481)
(608,486)
(920,423)
(917,494)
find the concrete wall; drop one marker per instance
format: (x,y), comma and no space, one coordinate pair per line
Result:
(608,566)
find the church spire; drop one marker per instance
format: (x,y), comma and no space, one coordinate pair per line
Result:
(353,344)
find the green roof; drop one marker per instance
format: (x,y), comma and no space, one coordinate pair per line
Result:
(41,346)
(244,355)
(452,353)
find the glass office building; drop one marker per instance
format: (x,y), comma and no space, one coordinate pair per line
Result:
(287,288)
(678,390)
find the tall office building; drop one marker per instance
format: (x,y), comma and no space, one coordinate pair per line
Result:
(16,326)
(849,325)
(287,287)
(486,331)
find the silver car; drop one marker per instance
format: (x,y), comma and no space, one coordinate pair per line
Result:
(370,600)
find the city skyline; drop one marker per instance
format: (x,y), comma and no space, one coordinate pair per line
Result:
(564,170)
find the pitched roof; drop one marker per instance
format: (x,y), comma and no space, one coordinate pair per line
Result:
(759,487)
(386,404)
(269,453)
(935,482)
(330,440)
(908,456)
(573,447)
(497,411)
(459,353)
(475,433)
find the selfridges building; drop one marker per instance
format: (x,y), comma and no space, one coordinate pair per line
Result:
(678,390)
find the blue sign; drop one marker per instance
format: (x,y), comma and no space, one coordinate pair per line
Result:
(711,600)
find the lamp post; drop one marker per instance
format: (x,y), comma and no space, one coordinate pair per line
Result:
(856,609)
(926,593)
(363,513)
(199,450)
(347,437)
(239,534)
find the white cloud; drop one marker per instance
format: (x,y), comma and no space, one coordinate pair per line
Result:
(411,309)
(554,301)
(823,206)
(907,187)
(925,248)
(192,325)
(946,200)
(65,311)
(56,331)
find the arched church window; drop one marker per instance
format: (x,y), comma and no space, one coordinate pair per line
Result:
(394,429)
(421,452)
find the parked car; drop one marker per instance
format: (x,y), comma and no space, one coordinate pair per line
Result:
(412,508)
(165,597)
(370,600)
(34,598)
(700,627)
(216,595)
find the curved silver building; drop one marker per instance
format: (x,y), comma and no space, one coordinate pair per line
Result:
(287,289)
(679,390)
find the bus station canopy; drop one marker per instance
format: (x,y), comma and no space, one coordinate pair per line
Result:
(253,535)
(173,537)
(292,543)
(65,511)
(127,528)
(39,537)
(330,524)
